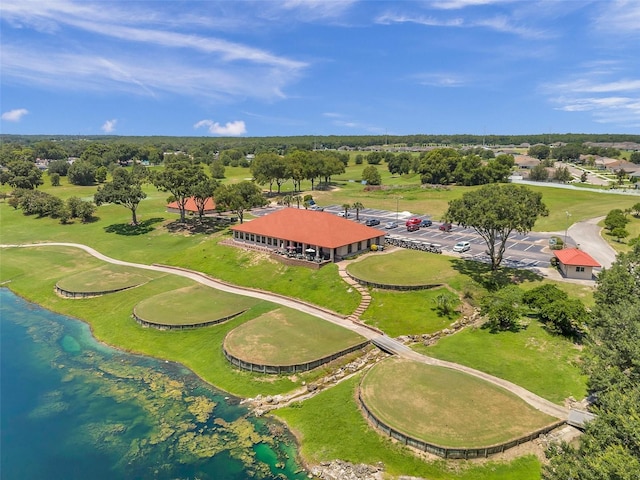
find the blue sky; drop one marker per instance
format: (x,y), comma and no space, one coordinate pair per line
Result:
(311,67)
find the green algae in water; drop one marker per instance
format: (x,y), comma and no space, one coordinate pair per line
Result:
(73,408)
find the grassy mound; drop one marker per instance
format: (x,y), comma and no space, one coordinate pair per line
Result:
(106,278)
(446,407)
(404,267)
(287,337)
(191,306)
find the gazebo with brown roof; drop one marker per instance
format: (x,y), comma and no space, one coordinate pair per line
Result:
(575,263)
(191,207)
(301,231)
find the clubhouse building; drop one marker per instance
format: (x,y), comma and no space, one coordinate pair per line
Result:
(308,234)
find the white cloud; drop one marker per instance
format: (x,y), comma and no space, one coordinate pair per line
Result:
(595,91)
(619,17)
(231,129)
(109,126)
(459,4)
(133,51)
(14,115)
(440,79)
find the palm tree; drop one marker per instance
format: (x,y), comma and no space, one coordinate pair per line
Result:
(297,199)
(346,207)
(357,206)
(287,199)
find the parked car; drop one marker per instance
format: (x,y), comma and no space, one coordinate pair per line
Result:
(372,222)
(446,227)
(342,214)
(413,221)
(413,227)
(391,225)
(461,247)
(316,207)
(426,223)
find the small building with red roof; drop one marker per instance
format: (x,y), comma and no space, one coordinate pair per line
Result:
(310,233)
(191,207)
(574,263)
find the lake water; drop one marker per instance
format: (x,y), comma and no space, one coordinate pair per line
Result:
(72,408)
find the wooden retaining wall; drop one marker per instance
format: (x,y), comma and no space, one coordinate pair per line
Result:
(387,286)
(447,452)
(293,368)
(163,326)
(68,294)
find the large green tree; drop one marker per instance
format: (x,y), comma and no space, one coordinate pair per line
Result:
(180,176)
(22,174)
(495,212)
(125,189)
(610,446)
(239,197)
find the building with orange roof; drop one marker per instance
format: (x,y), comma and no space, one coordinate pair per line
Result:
(315,234)
(191,207)
(575,263)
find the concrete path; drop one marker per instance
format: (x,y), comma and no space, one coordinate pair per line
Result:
(386,343)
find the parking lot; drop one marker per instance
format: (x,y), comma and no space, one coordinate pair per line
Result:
(522,251)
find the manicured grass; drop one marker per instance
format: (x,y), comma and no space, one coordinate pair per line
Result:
(192,305)
(404,267)
(446,407)
(33,272)
(105,278)
(408,313)
(331,426)
(532,358)
(288,337)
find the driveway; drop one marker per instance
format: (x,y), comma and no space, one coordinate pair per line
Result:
(587,235)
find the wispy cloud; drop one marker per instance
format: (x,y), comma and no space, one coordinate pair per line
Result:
(14,115)
(140,58)
(460,4)
(608,100)
(501,24)
(109,126)
(440,79)
(619,17)
(231,129)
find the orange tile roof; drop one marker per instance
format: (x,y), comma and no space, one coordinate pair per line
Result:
(191,205)
(573,256)
(310,227)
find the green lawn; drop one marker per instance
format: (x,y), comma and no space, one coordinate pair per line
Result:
(287,337)
(446,407)
(331,426)
(404,267)
(532,358)
(408,313)
(106,278)
(633,227)
(192,305)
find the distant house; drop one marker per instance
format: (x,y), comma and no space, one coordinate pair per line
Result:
(322,234)
(575,263)
(525,161)
(192,208)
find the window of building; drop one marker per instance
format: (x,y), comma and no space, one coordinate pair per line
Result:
(350,248)
(579,269)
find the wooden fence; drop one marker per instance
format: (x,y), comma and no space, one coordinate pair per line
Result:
(68,294)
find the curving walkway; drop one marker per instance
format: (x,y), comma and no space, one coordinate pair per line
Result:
(386,343)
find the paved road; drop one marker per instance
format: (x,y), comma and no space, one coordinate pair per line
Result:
(588,236)
(386,343)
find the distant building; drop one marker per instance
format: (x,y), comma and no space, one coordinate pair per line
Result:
(324,235)
(575,263)
(191,207)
